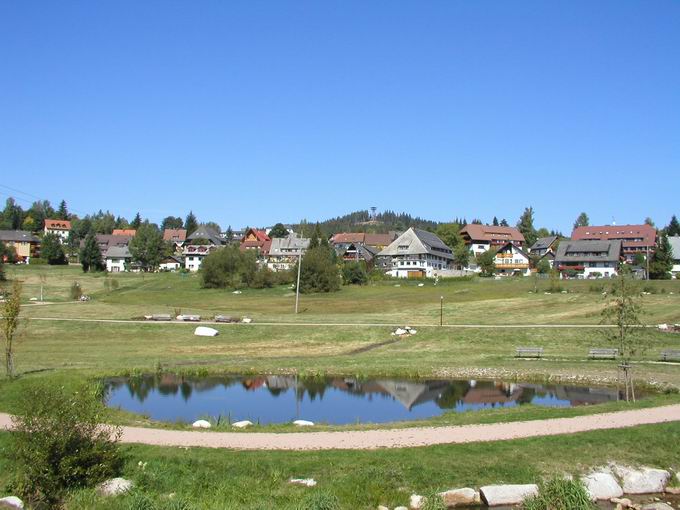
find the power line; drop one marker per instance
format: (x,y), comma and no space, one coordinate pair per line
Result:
(30,195)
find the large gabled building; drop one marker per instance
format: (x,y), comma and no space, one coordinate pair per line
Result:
(415,254)
(255,239)
(284,252)
(634,238)
(199,245)
(481,238)
(591,259)
(24,243)
(60,228)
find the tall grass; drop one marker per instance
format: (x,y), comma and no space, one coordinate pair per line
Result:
(560,494)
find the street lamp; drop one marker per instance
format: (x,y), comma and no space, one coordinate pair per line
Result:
(441,311)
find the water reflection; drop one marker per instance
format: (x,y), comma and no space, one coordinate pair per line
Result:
(338,400)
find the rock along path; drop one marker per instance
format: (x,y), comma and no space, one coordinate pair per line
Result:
(394,438)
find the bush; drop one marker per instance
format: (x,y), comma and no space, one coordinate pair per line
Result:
(52,251)
(560,494)
(264,279)
(228,268)
(59,442)
(354,273)
(320,500)
(75,292)
(35,261)
(319,272)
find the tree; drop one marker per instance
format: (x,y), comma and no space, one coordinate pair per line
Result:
(136,222)
(661,261)
(12,215)
(623,310)
(526,226)
(504,223)
(62,212)
(318,272)
(91,255)
(214,226)
(486,262)
(639,259)
(582,220)
(3,252)
(148,247)
(461,255)
(542,232)
(11,309)
(52,251)
(354,273)
(229,234)
(543,266)
(448,233)
(314,238)
(172,222)
(228,267)
(190,223)
(649,221)
(673,228)
(495,222)
(278,230)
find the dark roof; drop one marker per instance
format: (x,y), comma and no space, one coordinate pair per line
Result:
(414,241)
(517,247)
(118,252)
(203,232)
(18,236)
(588,251)
(543,243)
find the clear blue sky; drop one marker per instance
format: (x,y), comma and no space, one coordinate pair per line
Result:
(255,112)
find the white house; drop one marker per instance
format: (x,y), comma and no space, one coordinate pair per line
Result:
(199,245)
(60,228)
(415,254)
(171,263)
(284,252)
(510,259)
(675,246)
(117,259)
(481,238)
(591,259)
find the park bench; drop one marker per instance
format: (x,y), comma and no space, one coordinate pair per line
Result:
(599,353)
(225,318)
(670,355)
(189,318)
(161,317)
(529,352)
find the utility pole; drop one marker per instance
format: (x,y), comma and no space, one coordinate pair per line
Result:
(647,261)
(441,311)
(297,286)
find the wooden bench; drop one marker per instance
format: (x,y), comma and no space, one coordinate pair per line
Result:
(161,317)
(189,318)
(529,352)
(599,353)
(225,318)
(670,355)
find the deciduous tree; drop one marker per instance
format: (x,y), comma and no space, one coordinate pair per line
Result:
(172,222)
(486,262)
(11,310)
(147,247)
(51,250)
(448,233)
(278,230)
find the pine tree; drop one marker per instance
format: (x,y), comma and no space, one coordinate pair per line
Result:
(495,221)
(135,223)
(504,223)
(62,212)
(661,262)
(526,226)
(582,220)
(229,234)
(51,250)
(316,235)
(91,255)
(147,247)
(673,228)
(190,223)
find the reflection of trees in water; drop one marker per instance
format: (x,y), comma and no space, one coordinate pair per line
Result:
(452,394)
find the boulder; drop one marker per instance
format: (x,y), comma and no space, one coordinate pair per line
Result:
(114,487)
(201,424)
(400,507)
(623,502)
(495,495)
(205,331)
(602,485)
(247,320)
(416,502)
(400,331)
(307,482)
(460,497)
(643,481)
(242,424)
(11,502)
(381,507)
(303,423)
(673,490)
(657,506)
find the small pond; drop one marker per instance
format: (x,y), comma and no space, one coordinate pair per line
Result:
(271,399)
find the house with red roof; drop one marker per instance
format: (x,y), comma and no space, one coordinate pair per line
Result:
(481,238)
(129,232)
(60,228)
(634,238)
(255,239)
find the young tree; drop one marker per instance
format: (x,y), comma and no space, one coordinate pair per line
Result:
(278,230)
(148,247)
(12,215)
(3,251)
(52,251)
(190,223)
(543,266)
(136,222)
(172,222)
(318,272)
(495,222)
(486,262)
(649,221)
(228,267)
(582,220)
(91,255)
(639,260)
(62,212)
(504,223)
(673,228)
(661,261)
(11,309)
(354,273)
(461,255)
(526,226)
(448,233)
(623,310)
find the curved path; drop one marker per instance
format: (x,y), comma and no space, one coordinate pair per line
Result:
(394,438)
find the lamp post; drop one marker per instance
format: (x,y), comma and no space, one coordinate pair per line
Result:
(441,311)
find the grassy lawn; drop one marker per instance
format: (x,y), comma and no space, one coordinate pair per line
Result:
(68,352)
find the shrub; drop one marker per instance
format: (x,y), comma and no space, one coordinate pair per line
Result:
(59,442)
(263,279)
(560,494)
(75,292)
(319,272)
(52,251)
(320,500)
(354,273)
(35,261)
(228,268)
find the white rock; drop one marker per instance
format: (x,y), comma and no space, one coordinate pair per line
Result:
(303,423)
(602,486)
(421,285)
(11,502)
(643,481)
(201,424)
(460,497)
(242,424)
(416,502)
(663,327)
(236,292)
(413,332)
(114,487)
(495,495)
(381,507)
(247,320)
(657,506)
(400,507)
(307,482)
(205,331)
(400,331)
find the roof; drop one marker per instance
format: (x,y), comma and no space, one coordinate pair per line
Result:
(516,247)
(588,251)
(118,252)
(58,224)
(675,246)
(261,241)
(260,235)
(173,258)
(628,233)
(131,232)
(111,240)
(491,233)
(203,232)
(281,246)
(543,243)
(415,241)
(363,238)
(18,236)
(175,234)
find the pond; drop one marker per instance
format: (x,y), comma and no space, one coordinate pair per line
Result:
(270,399)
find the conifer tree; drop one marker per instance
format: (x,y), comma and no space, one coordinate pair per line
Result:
(91,255)
(661,262)
(673,228)
(190,223)
(526,226)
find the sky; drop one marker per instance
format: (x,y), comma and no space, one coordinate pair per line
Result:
(255,112)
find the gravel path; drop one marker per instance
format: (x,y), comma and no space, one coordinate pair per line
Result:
(394,438)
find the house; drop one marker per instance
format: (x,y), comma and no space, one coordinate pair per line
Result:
(675,246)
(481,238)
(284,252)
(359,252)
(591,259)
(417,253)
(170,263)
(635,238)
(117,259)
(255,239)
(511,259)
(175,236)
(199,245)
(25,244)
(544,245)
(60,228)
(129,232)
(104,241)
(343,240)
